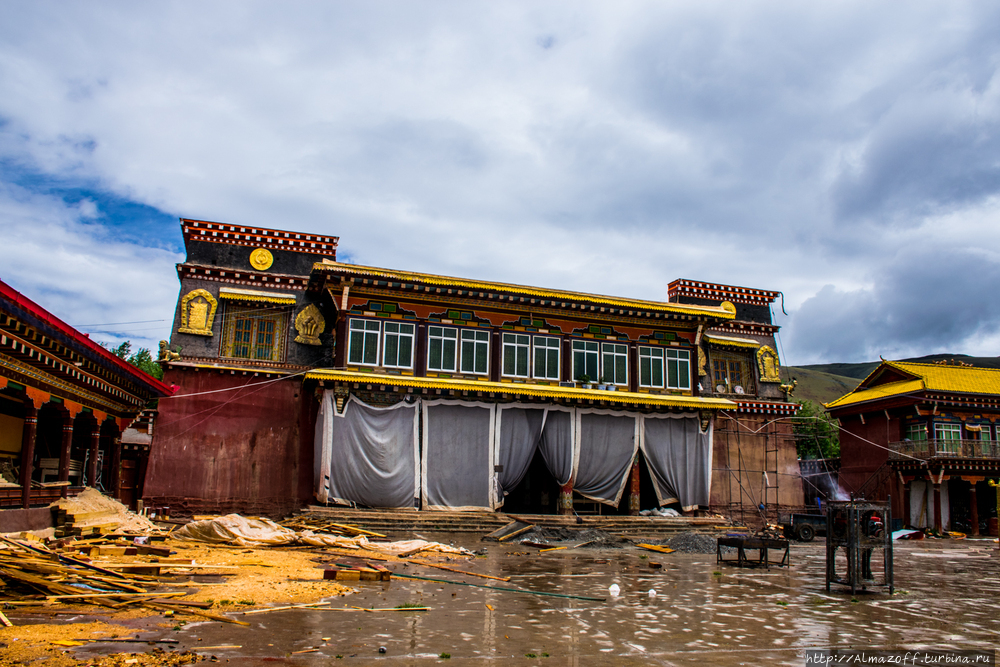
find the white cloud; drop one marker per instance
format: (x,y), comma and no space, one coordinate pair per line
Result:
(598,147)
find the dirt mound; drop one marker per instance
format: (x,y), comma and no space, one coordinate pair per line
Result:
(692,543)
(598,539)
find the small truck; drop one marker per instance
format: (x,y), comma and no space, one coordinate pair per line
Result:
(804,527)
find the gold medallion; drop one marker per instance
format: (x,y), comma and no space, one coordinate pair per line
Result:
(261,259)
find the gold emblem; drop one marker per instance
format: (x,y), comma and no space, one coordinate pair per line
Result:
(198,313)
(261,259)
(767,364)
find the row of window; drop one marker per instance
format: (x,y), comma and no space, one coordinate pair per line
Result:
(454,350)
(949,432)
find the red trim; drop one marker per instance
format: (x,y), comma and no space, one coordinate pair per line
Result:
(18,299)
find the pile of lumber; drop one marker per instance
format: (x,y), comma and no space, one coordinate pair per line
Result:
(34,575)
(318,525)
(77,523)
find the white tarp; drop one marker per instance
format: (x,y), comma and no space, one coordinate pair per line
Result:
(679,457)
(457,458)
(368,455)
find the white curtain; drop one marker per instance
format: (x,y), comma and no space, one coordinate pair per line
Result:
(679,456)
(369,456)
(322,444)
(607,442)
(457,458)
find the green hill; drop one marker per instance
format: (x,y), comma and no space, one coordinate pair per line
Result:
(817,386)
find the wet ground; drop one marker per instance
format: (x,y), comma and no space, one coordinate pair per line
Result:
(947,596)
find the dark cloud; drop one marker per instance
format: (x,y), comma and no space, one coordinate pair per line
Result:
(921,302)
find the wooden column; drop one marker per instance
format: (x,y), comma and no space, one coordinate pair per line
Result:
(95,448)
(64,451)
(566,498)
(633,497)
(973,508)
(28,451)
(115,468)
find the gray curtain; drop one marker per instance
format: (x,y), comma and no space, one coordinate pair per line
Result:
(679,457)
(520,432)
(607,448)
(373,457)
(457,463)
(557,444)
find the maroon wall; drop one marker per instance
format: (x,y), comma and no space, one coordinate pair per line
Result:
(246,450)
(859,459)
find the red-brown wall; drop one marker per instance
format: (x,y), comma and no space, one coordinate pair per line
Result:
(245,450)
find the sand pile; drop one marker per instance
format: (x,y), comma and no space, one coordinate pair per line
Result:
(93,501)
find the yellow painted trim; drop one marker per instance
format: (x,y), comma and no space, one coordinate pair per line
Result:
(239,369)
(724,311)
(523,389)
(732,342)
(253,295)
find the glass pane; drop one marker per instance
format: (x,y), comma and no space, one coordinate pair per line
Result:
(522,361)
(552,359)
(540,365)
(645,372)
(621,369)
(371,326)
(265,339)
(405,351)
(371,348)
(448,354)
(672,374)
(390,356)
(683,374)
(482,356)
(355,347)
(434,354)
(657,372)
(468,355)
(509,360)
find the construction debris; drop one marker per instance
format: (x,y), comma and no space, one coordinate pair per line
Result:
(93,513)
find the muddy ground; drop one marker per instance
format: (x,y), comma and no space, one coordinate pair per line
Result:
(704,613)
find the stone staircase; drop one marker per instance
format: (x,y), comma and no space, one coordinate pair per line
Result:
(406,521)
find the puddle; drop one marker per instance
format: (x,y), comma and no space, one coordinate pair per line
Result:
(696,616)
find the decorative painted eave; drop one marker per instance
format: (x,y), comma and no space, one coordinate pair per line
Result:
(255,296)
(623,398)
(879,392)
(731,341)
(414,281)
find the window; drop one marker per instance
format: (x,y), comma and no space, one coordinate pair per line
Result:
(916,432)
(515,355)
(362,343)
(475,351)
(951,437)
(678,369)
(650,367)
(442,345)
(254,333)
(614,362)
(546,358)
(585,359)
(398,345)
(729,374)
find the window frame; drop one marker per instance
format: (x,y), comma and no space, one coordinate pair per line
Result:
(552,346)
(679,361)
(652,354)
(443,338)
(365,332)
(474,343)
(255,316)
(920,429)
(580,347)
(616,356)
(518,346)
(400,335)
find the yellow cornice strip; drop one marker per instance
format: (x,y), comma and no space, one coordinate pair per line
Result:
(234,294)
(732,342)
(239,369)
(520,389)
(432,279)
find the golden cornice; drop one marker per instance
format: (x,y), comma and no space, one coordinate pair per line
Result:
(83,396)
(724,311)
(581,314)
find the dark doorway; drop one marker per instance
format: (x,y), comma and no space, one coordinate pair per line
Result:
(538,492)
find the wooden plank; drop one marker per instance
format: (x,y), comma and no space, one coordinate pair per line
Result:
(656,547)
(196,612)
(451,569)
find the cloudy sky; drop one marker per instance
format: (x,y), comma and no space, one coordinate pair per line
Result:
(844,153)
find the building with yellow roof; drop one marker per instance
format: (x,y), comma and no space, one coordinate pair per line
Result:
(926,435)
(304,378)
